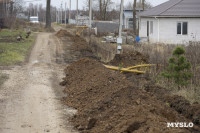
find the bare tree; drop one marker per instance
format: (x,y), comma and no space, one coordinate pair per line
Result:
(48,14)
(102,7)
(10,10)
(42,13)
(142,5)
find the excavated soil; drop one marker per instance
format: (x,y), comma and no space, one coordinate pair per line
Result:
(109,103)
(75,47)
(63,33)
(129,59)
(178,103)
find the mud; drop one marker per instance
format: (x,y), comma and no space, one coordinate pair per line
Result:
(109,103)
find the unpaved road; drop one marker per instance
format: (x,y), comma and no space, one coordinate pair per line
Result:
(29,99)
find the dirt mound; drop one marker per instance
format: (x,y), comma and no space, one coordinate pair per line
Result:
(108,103)
(183,106)
(158,91)
(193,113)
(129,59)
(63,33)
(178,103)
(78,47)
(81,48)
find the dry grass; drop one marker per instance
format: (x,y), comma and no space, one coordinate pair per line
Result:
(159,54)
(103,50)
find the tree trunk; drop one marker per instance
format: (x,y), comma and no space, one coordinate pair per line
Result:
(134,18)
(143,1)
(100,10)
(48,14)
(105,10)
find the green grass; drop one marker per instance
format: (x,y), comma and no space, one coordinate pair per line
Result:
(7,32)
(16,51)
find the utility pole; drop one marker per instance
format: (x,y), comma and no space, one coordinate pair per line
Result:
(61,13)
(119,39)
(69,11)
(134,18)
(76,12)
(56,15)
(90,15)
(65,13)
(77,8)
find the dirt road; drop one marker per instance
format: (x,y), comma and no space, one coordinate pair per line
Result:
(29,100)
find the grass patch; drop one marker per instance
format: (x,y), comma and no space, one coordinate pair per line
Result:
(14,52)
(11,33)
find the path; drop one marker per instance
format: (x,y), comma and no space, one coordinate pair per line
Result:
(28,100)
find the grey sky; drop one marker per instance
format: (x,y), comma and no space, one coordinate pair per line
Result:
(57,3)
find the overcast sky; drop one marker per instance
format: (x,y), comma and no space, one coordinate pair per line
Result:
(57,3)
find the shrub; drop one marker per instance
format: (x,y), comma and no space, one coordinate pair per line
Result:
(178,68)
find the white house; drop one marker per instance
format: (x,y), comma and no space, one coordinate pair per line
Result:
(173,22)
(128,17)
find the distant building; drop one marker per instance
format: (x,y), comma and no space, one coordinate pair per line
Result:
(173,22)
(128,18)
(105,26)
(82,20)
(21,16)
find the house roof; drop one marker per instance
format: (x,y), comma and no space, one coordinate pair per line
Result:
(180,8)
(131,9)
(128,13)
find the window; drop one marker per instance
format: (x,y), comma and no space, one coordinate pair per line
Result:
(178,28)
(151,27)
(130,23)
(185,28)
(182,28)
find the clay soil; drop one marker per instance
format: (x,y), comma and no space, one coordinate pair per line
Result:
(107,102)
